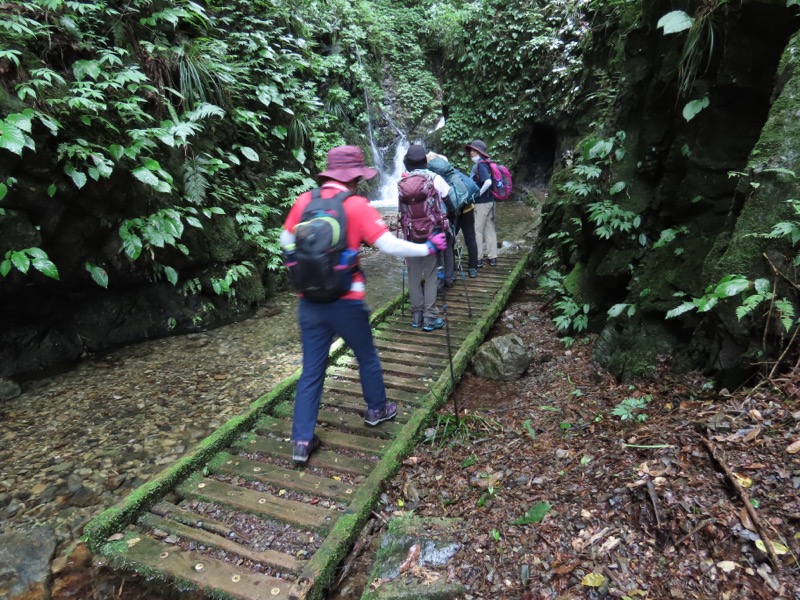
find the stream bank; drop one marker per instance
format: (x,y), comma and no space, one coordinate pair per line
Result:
(76,443)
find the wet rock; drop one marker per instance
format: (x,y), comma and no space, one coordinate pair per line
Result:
(25,563)
(504,358)
(8,389)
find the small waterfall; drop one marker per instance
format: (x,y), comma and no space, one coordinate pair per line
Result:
(386,195)
(377,157)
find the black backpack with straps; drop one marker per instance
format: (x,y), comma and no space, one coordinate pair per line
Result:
(322,266)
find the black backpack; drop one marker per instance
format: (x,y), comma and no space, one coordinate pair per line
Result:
(321,266)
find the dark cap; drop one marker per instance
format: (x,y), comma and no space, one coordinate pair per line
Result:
(416,158)
(479,146)
(346,163)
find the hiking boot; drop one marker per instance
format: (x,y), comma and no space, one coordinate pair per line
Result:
(493,262)
(437,323)
(375,416)
(480,263)
(473,273)
(302,450)
(416,319)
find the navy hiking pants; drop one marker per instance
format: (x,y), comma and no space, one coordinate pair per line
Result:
(319,323)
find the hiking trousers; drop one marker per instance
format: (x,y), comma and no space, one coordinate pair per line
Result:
(319,323)
(422,286)
(485,231)
(446,259)
(466,225)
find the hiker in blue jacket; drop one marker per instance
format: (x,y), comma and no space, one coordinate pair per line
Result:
(485,204)
(463,219)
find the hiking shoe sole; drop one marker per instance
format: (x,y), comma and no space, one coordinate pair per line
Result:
(388,413)
(437,324)
(301,452)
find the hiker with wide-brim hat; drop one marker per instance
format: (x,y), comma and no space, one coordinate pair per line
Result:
(347,316)
(485,204)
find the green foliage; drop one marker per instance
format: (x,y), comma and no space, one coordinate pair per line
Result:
(186,101)
(509,63)
(571,316)
(608,219)
(632,408)
(460,430)
(701,36)
(534,514)
(225,286)
(23,260)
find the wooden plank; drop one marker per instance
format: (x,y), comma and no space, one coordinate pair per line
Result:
(355,423)
(352,404)
(273,558)
(353,389)
(403,337)
(259,503)
(406,358)
(418,368)
(332,439)
(418,336)
(295,479)
(321,458)
(187,517)
(206,572)
(404,383)
(386,345)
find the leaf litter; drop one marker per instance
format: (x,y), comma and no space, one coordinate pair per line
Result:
(574,485)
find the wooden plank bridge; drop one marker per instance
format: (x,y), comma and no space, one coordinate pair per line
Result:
(209,520)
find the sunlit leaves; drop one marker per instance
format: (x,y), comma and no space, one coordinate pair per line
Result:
(23,260)
(675,21)
(249,153)
(693,108)
(99,274)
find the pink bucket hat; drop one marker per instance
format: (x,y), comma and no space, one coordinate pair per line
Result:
(346,163)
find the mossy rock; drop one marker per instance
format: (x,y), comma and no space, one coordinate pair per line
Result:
(631,351)
(438,539)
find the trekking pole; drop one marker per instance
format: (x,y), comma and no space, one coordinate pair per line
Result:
(403,275)
(459,249)
(403,292)
(450,358)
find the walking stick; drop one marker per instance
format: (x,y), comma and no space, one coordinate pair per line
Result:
(450,358)
(459,249)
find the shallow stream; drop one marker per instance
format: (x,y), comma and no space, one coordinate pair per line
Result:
(76,443)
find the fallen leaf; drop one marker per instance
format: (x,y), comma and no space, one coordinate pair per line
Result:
(794,447)
(747,522)
(754,433)
(567,568)
(411,558)
(743,480)
(727,565)
(609,545)
(593,579)
(115,538)
(779,548)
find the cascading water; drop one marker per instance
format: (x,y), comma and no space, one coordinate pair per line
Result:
(377,157)
(386,196)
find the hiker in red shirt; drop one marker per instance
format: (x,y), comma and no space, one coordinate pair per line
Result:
(347,316)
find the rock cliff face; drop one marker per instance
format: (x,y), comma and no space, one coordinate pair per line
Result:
(708,179)
(48,324)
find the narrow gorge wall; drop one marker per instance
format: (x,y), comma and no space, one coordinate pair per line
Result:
(695,178)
